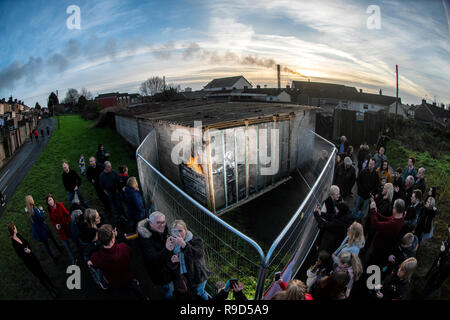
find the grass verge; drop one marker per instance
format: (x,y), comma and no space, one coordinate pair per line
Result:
(437,174)
(67,143)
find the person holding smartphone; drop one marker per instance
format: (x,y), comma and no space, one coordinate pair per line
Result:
(189,258)
(157,248)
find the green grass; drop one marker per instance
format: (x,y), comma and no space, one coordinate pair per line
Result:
(75,137)
(437,174)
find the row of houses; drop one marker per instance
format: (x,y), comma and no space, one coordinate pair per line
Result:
(327,96)
(16,121)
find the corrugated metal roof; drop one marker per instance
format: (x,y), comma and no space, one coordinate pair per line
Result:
(212,113)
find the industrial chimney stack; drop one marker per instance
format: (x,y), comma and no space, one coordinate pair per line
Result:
(278,74)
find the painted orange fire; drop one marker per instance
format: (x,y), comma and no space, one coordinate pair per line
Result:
(193,164)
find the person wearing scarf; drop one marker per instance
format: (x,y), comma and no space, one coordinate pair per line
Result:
(189,257)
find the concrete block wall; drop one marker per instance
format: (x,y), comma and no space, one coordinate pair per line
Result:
(128,129)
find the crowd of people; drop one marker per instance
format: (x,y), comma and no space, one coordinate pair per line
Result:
(392,216)
(173,257)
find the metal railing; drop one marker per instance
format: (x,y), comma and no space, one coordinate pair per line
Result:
(229,252)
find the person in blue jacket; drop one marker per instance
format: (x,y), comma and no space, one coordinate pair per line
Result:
(135,203)
(40,230)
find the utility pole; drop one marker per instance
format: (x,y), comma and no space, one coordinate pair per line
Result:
(59,125)
(396,100)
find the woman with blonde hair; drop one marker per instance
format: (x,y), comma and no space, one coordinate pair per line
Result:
(295,290)
(188,258)
(40,230)
(353,242)
(347,261)
(424,228)
(134,201)
(384,201)
(396,285)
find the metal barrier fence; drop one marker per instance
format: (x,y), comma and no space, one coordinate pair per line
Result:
(229,252)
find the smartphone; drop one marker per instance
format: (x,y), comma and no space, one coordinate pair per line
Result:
(277,276)
(230,283)
(175,233)
(131,236)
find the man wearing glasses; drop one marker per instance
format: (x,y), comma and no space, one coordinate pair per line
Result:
(157,246)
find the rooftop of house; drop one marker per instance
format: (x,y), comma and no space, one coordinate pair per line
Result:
(435,110)
(223,82)
(338,91)
(212,114)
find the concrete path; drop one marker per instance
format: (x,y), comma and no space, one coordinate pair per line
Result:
(12,174)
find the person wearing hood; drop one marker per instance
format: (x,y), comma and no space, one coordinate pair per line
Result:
(134,201)
(189,258)
(157,248)
(334,229)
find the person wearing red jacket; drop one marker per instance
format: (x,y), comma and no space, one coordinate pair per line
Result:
(387,231)
(113,260)
(60,218)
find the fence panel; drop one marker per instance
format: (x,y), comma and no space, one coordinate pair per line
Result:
(229,254)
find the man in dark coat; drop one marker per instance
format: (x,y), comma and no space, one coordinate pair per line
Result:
(109,184)
(93,175)
(345,177)
(335,229)
(383,140)
(399,188)
(420,181)
(409,188)
(368,182)
(413,212)
(72,183)
(157,248)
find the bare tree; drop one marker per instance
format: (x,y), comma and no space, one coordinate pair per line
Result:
(72,96)
(151,86)
(86,93)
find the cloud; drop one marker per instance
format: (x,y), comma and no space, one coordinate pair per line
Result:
(164,51)
(57,63)
(17,71)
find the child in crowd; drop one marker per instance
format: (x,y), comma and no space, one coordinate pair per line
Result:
(82,165)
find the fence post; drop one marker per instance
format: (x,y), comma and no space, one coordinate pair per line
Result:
(262,274)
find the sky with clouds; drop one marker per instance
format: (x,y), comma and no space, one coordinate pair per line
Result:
(121,43)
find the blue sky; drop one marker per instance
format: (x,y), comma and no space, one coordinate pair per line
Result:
(122,43)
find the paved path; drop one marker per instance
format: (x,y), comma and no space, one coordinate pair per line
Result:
(12,174)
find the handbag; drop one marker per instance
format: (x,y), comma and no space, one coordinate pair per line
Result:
(180,284)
